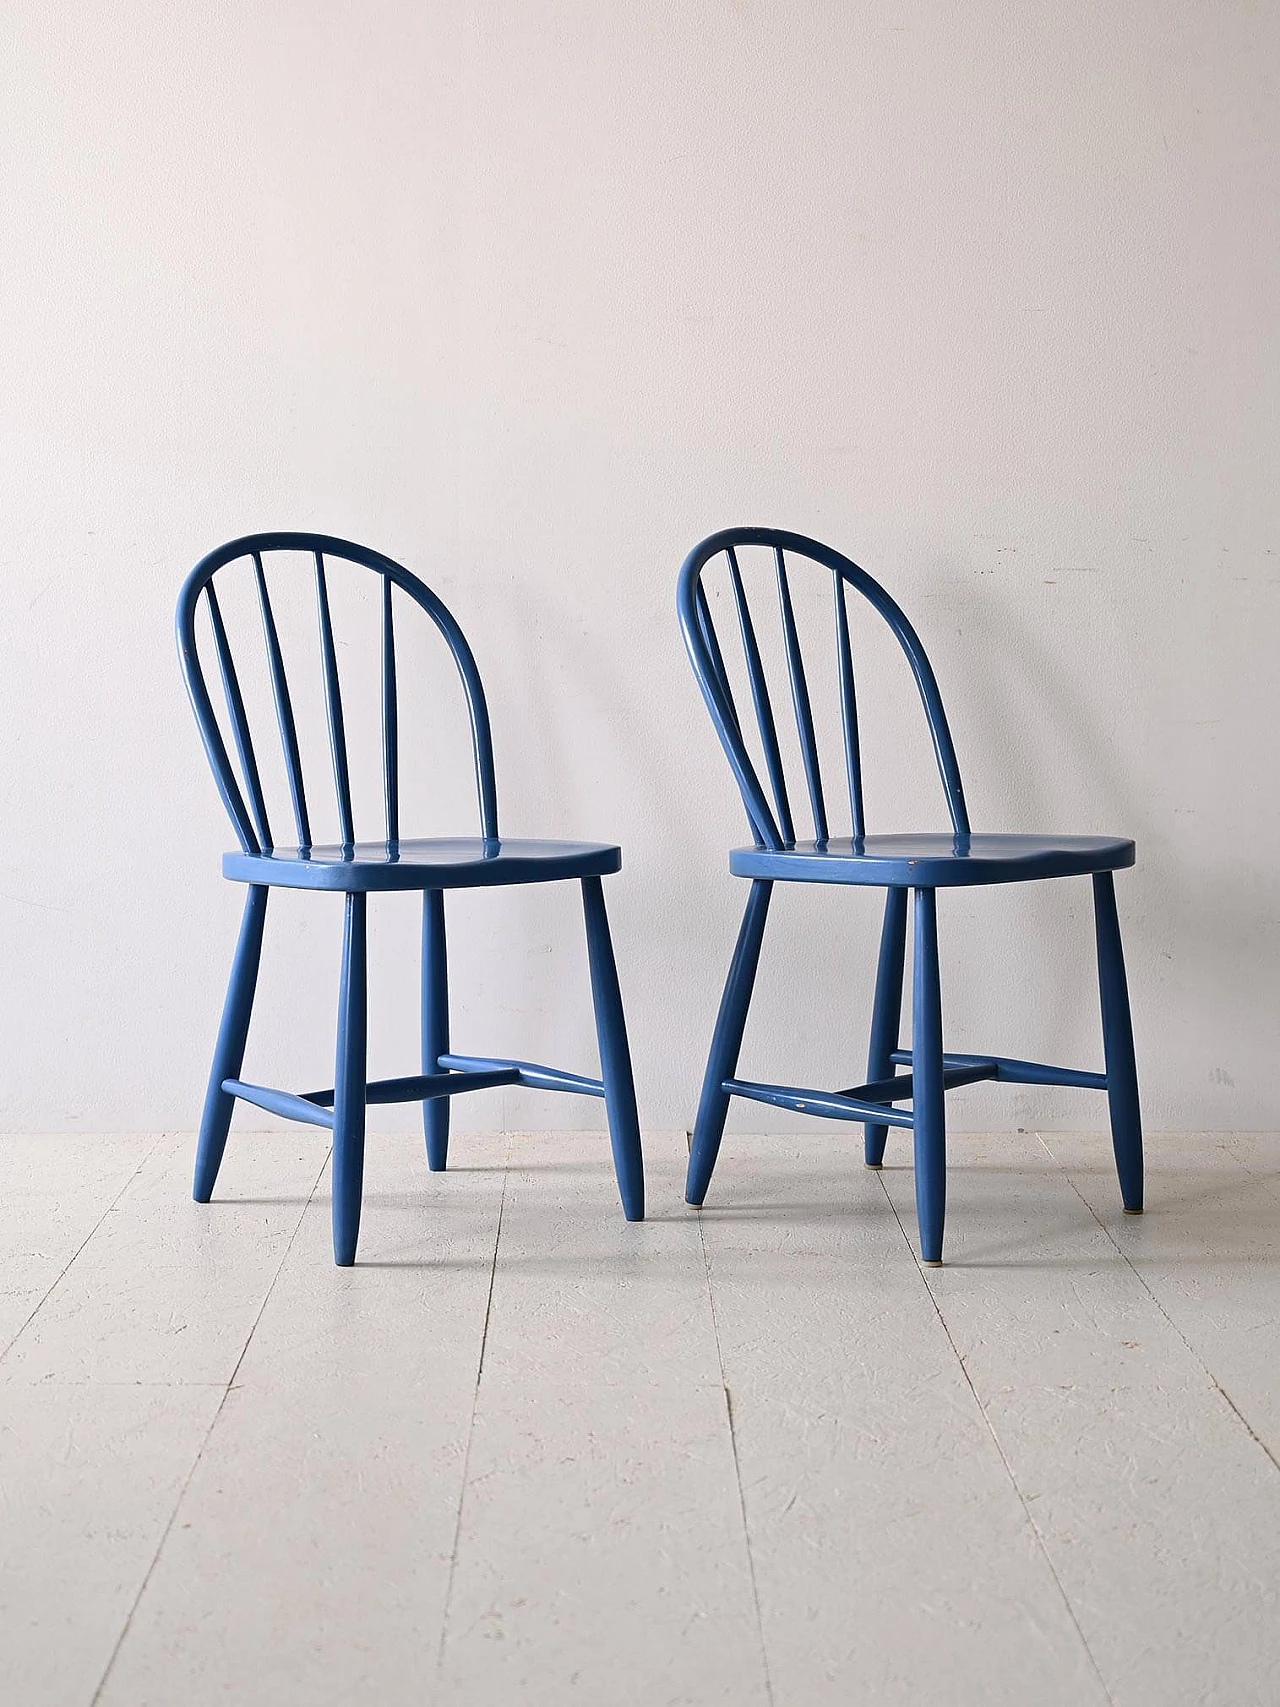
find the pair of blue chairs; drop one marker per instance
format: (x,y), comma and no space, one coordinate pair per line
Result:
(905,866)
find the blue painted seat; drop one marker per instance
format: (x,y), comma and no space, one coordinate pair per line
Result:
(448,862)
(357,868)
(918,865)
(941,862)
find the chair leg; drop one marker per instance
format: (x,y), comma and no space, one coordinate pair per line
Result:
(350,1086)
(1117,1042)
(615,1056)
(928,1102)
(726,1041)
(435,1024)
(886,1015)
(228,1053)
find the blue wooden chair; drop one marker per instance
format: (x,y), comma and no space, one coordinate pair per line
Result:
(358,868)
(922,864)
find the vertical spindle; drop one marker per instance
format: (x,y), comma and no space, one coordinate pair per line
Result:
(762,703)
(390,718)
(284,706)
(712,642)
(849,712)
(333,705)
(239,720)
(800,699)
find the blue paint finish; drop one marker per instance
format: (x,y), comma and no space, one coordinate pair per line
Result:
(390,718)
(283,703)
(418,1087)
(707,629)
(320,546)
(435,1024)
(726,1041)
(444,862)
(835,1105)
(349,1085)
(310,1110)
(886,1012)
(849,713)
(898,863)
(615,1056)
(527,1073)
(760,700)
(1117,1039)
(928,1108)
(239,721)
(718,702)
(800,702)
(228,1052)
(900,1086)
(332,704)
(355,868)
(935,862)
(1008,1071)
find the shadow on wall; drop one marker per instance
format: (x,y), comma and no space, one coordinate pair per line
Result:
(602,744)
(588,746)
(1012,666)
(681,911)
(1194,919)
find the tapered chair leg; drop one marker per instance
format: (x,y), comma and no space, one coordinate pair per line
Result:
(726,1041)
(928,1102)
(1117,1042)
(886,1015)
(228,1053)
(615,1055)
(435,1024)
(350,1086)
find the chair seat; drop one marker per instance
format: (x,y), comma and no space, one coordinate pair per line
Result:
(445,862)
(935,861)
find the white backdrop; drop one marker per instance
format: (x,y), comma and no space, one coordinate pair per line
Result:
(531,296)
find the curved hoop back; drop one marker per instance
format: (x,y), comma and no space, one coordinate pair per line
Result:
(243,795)
(772,821)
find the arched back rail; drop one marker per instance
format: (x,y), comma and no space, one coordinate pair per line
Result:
(772,814)
(240,784)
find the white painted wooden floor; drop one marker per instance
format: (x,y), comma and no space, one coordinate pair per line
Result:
(525,1453)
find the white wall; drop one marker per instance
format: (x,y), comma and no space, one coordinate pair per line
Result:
(532,296)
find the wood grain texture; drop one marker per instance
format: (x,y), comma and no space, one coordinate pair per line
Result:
(756,1454)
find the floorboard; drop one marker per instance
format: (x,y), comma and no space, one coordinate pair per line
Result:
(1159,1512)
(601,1557)
(896,1562)
(167,1290)
(310,1558)
(525,1452)
(1208,1250)
(56,1190)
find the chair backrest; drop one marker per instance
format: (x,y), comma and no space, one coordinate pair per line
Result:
(242,793)
(772,821)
